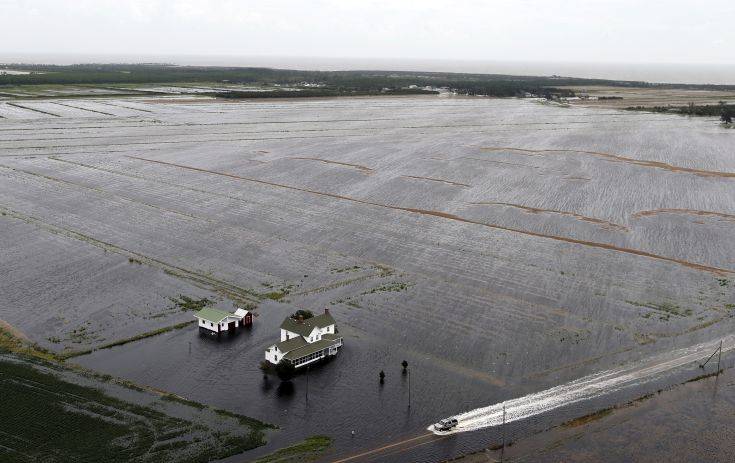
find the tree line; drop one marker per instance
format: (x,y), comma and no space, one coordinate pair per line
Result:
(341,81)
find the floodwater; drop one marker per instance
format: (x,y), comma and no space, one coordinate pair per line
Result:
(501,247)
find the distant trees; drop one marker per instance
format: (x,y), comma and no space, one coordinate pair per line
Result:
(723,110)
(726,115)
(304,314)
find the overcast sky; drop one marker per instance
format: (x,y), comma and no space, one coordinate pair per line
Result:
(650,31)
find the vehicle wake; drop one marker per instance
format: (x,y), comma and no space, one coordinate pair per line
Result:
(586,388)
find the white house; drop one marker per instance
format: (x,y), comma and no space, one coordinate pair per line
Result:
(305,341)
(215,321)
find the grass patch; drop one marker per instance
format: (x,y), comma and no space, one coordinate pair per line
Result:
(245,420)
(705,376)
(395,287)
(176,398)
(354,268)
(275,295)
(120,342)
(582,420)
(12,341)
(666,307)
(353,304)
(309,449)
(83,424)
(186,303)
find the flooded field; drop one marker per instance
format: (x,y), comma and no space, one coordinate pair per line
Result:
(501,247)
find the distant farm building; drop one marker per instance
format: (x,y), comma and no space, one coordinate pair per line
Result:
(215,321)
(304,341)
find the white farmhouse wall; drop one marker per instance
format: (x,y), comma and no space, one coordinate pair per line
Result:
(285,335)
(208,325)
(314,336)
(273,355)
(213,326)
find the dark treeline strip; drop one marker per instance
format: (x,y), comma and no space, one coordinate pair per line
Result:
(331,82)
(717,110)
(365,80)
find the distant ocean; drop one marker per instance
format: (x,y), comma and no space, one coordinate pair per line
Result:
(671,73)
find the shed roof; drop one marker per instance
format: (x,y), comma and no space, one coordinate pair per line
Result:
(241,313)
(212,315)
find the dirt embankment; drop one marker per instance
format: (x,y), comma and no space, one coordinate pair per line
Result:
(431,179)
(721,215)
(536,210)
(364,169)
(617,158)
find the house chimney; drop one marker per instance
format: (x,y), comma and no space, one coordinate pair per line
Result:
(326,310)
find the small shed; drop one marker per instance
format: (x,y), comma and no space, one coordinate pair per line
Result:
(245,316)
(215,321)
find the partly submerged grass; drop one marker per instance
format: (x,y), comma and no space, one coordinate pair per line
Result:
(307,450)
(121,342)
(666,307)
(186,303)
(84,424)
(582,420)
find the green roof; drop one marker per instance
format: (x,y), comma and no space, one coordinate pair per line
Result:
(331,337)
(212,315)
(291,344)
(308,349)
(305,327)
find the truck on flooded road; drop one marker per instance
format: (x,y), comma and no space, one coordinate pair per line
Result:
(445,425)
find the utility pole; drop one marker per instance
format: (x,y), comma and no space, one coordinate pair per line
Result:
(719,357)
(502,449)
(717,351)
(307,383)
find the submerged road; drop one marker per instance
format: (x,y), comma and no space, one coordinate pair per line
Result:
(588,387)
(394,448)
(583,389)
